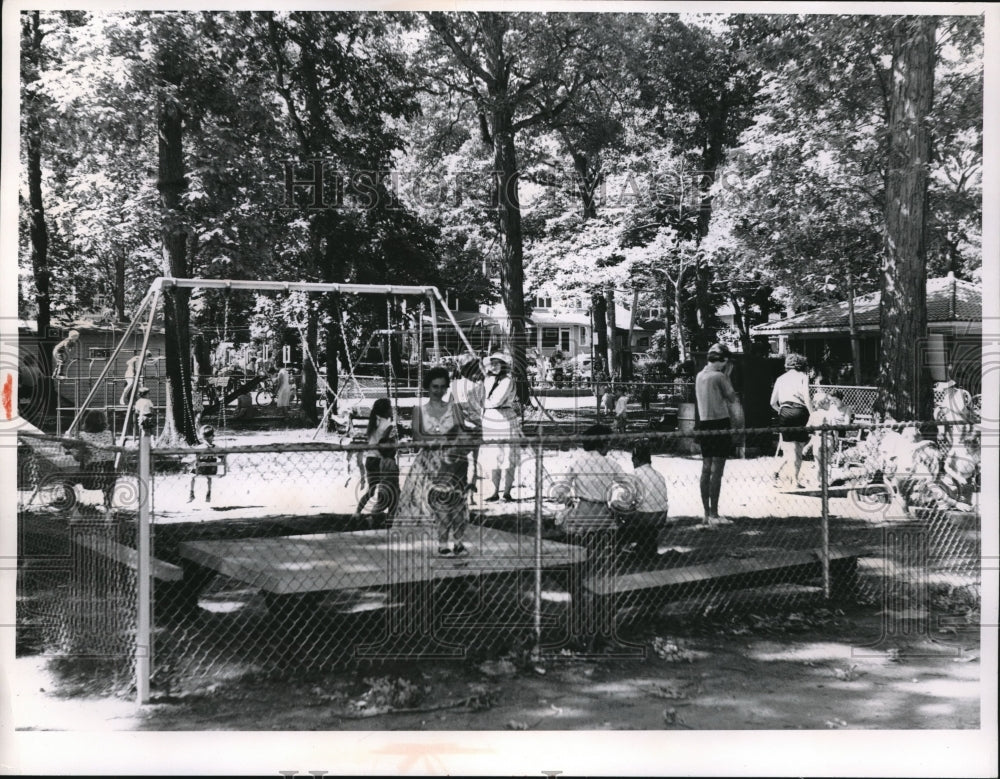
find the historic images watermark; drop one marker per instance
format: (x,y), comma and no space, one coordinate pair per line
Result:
(318,184)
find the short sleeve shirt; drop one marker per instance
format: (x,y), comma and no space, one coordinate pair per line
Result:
(714,393)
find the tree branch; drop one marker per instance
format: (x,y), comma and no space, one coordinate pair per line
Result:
(438,21)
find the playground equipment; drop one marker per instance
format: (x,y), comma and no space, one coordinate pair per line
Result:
(350,391)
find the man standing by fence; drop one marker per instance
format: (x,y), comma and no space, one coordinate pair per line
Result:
(715,395)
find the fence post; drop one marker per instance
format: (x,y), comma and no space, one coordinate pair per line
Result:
(825,501)
(143,643)
(538,543)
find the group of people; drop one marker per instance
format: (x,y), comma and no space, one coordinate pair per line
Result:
(470,422)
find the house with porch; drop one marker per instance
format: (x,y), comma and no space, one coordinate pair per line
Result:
(954,335)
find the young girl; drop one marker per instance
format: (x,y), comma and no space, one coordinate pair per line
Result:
(381,429)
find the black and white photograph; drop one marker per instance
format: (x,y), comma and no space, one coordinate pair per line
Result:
(544,389)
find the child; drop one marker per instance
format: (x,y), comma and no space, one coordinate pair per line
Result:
(608,400)
(144,411)
(447,496)
(638,527)
(621,411)
(387,489)
(380,429)
(205,464)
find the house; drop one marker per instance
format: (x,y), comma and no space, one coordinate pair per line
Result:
(954,338)
(564,324)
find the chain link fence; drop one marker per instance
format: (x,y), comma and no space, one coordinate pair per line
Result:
(77,591)
(291,558)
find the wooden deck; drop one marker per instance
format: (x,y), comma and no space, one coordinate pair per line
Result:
(325,562)
(716,570)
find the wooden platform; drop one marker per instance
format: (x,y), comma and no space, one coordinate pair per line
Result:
(719,569)
(324,562)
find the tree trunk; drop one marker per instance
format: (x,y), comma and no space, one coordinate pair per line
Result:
(682,345)
(32,42)
(599,308)
(512,247)
(121,260)
(741,324)
(903,379)
(179,422)
(614,366)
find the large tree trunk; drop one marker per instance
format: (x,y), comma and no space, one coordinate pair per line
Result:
(509,204)
(599,311)
(31,41)
(903,379)
(179,422)
(121,260)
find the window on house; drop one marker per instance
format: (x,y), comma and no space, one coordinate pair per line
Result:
(550,337)
(642,344)
(583,336)
(543,302)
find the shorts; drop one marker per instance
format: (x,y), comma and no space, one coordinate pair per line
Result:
(714,445)
(793,415)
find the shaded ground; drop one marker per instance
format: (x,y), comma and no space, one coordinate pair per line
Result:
(809,669)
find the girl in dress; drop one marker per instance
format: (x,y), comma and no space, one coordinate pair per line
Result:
(381,429)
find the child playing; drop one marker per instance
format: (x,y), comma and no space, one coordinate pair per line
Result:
(205,463)
(608,400)
(380,430)
(447,497)
(621,411)
(387,489)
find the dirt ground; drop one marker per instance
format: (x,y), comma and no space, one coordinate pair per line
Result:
(817,668)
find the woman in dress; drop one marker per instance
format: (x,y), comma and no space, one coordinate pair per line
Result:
(500,424)
(790,401)
(283,389)
(467,395)
(435,487)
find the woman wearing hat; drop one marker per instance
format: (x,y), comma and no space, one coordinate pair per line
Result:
(500,424)
(791,402)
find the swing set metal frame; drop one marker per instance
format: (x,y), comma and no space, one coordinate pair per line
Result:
(148,306)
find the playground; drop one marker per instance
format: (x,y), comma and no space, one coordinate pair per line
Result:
(262,565)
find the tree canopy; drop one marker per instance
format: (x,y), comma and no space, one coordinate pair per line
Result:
(698,159)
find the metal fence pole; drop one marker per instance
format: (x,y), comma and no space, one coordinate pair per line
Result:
(825,500)
(538,544)
(143,643)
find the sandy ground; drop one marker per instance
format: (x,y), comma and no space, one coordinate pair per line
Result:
(808,670)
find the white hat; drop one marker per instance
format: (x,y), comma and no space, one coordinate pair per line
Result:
(943,385)
(502,356)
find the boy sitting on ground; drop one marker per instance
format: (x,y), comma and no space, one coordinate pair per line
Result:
(639,525)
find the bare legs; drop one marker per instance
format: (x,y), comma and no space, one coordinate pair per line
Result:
(712,469)
(508,485)
(791,452)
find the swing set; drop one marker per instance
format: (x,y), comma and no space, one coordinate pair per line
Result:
(350,392)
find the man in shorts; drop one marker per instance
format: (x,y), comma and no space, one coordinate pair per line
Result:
(714,394)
